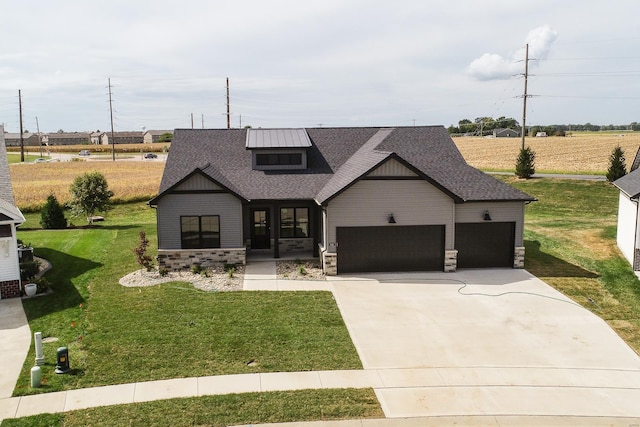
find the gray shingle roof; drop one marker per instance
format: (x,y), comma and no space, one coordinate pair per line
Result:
(6,191)
(629,184)
(7,203)
(336,158)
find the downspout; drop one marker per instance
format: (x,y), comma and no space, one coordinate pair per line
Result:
(635,233)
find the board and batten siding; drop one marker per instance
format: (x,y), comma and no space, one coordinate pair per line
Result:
(197,182)
(172,206)
(627,223)
(370,202)
(499,212)
(392,168)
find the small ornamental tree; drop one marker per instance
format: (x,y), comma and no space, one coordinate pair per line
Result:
(617,167)
(525,164)
(52,214)
(90,194)
(142,257)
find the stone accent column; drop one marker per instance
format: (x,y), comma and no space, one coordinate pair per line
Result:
(450,261)
(518,258)
(330,263)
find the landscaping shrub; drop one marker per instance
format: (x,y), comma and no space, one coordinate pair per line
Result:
(142,257)
(52,214)
(28,270)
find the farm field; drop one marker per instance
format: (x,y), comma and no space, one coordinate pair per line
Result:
(129,180)
(586,152)
(138,180)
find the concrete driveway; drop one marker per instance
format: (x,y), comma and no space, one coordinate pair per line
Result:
(486,342)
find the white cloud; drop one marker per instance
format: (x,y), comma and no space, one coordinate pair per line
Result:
(492,66)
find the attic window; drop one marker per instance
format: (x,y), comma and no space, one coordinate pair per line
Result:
(279,159)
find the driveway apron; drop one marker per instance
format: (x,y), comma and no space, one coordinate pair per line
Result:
(498,342)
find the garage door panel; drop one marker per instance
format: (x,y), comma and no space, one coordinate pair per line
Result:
(390,248)
(485,245)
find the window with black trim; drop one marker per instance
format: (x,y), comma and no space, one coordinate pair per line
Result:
(278,159)
(294,222)
(5,230)
(199,232)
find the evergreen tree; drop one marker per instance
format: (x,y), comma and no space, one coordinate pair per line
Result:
(52,214)
(617,167)
(525,164)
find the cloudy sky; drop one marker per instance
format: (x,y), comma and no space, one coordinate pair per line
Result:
(299,63)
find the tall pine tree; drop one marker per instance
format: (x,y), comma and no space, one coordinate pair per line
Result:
(617,165)
(525,164)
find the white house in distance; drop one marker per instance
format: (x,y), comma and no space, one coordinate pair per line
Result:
(10,219)
(628,236)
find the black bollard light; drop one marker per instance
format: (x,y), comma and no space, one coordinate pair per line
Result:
(62,365)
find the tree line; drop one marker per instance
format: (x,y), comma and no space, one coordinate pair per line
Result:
(483,126)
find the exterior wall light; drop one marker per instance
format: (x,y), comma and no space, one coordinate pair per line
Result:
(391,220)
(486,216)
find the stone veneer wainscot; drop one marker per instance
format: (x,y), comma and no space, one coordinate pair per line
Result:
(183,259)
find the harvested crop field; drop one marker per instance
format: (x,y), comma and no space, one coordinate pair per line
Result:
(133,180)
(129,180)
(580,153)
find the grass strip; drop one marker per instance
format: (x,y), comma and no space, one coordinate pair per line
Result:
(233,409)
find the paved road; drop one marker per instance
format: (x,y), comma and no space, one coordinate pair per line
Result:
(559,175)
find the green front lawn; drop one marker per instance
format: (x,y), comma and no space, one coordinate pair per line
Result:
(219,411)
(119,335)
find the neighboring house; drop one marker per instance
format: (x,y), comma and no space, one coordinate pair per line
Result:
(360,199)
(123,138)
(506,133)
(628,235)
(10,219)
(153,135)
(98,138)
(69,138)
(28,139)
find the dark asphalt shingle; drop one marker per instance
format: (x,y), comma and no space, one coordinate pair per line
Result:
(336,158)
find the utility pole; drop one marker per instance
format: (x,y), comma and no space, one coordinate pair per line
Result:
(39,136)
(228,111)
(203,121)
(21,136)
(524,97)
(240,121)
(191,120)
(113,136)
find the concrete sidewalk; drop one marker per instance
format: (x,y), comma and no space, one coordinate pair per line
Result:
(15,339)
(261,276)
(427,384)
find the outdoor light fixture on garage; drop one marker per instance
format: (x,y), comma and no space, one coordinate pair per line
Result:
(392,220)
(486,216)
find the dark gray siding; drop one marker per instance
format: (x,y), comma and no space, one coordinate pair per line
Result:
(172,206)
